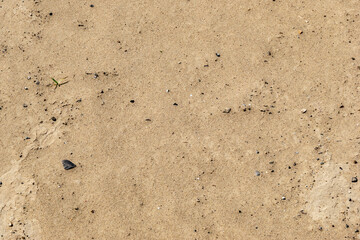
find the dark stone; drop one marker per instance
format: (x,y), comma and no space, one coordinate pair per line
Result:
(354,179)
(92,5)
(53,118)
(68,164)
(51,14)
(0,183)
(175,104)
(132,101)
(217,54)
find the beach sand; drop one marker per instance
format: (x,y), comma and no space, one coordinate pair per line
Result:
(186,119)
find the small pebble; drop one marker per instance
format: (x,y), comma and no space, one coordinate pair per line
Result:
(257,173)
(227,110)
(0,183)
(96,75)
(303,110)
(283,198)
(24,105)
(29,77)
(53,118)
(175,104)
(354,179)
(26,88)
(217,54)
(132,101)
(68,164)
(167,90)
(92,5)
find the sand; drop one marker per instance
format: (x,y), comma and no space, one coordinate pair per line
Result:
(186,119)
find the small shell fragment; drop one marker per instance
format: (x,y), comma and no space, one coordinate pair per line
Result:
(227,110)
(68,164)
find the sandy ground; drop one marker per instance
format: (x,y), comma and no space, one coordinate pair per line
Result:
(171,164)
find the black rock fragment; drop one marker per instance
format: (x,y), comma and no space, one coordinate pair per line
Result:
(68,164)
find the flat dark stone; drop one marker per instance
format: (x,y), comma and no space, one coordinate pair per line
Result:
(68,164)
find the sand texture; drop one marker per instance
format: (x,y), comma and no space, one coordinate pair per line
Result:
(186,119)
